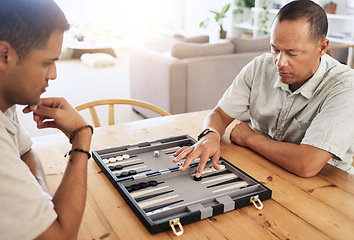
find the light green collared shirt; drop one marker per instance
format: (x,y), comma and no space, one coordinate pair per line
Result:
(320,113)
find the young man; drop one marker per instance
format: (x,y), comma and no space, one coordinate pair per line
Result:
(298,96)
(31,35)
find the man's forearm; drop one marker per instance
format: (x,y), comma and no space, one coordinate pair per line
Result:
(218,121)
(69,199)
(34,164)
(303,160)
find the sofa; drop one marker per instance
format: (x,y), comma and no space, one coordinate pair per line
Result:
(181,74)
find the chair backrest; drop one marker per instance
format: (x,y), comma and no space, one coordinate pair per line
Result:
(336,47)
(111,102)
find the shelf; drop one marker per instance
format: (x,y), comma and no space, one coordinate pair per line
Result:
(245,25)
(340,17)
(339,40)
(274,11)
(329,16)
(249,26)
(342,23)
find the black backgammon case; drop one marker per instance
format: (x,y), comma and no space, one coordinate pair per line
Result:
(164,198)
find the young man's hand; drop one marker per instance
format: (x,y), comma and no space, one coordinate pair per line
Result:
(56,113)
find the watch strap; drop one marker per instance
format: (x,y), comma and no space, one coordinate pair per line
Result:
(207,131)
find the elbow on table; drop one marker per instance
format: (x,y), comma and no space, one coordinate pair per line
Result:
(310,160)
(306,169)
(307,173)
(57,232)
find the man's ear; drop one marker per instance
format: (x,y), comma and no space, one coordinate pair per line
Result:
(4,54)
(323,46)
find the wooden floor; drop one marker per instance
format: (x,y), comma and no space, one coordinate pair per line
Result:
(93,84)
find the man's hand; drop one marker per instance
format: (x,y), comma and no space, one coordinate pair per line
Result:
(207,147)
(56,113)
(241,133)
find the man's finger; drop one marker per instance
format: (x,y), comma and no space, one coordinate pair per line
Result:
(202,162)
(191,157)
(179,151)
(46,112)
(46,124)
(184,152)
(215,160)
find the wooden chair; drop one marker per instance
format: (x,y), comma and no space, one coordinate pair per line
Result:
(336,47)
(111,102)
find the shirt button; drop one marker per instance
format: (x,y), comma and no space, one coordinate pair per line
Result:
(282,119)
(289,99)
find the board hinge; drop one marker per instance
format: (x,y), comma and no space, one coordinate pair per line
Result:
(176,222)
(256,199)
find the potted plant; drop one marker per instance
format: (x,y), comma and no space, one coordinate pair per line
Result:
(219,16)
(331,7)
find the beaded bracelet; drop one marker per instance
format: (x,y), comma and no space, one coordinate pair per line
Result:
(78,150)
(73,134)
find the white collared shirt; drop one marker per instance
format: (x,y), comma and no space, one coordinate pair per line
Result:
(25,209)
(320,113)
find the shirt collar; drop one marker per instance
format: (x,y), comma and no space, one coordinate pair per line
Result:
(279,84)
(307,90)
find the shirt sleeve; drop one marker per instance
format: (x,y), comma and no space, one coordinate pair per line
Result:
(235,100)
(333,128)
(23,138)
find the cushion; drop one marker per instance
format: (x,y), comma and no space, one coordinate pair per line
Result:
(98,59)
(251,45)
(163,42)
(195,39)
(188,50)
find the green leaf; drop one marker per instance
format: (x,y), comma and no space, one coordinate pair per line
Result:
(216,13)
(225,9)
(204,24)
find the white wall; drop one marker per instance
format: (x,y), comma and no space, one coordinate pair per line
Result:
(196,11)
(139,17)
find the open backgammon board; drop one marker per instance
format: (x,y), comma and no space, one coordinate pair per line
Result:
(163,197)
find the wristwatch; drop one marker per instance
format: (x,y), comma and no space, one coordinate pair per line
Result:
(204,132)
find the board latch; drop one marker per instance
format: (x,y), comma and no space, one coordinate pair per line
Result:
(256,199)
(175,222)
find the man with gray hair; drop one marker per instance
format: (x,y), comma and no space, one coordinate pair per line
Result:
(299,98)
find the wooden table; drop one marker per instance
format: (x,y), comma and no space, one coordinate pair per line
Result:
(321,207)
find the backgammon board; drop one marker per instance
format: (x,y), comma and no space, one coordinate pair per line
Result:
(164,198)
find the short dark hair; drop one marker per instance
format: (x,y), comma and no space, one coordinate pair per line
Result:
(27,24)
(315,15)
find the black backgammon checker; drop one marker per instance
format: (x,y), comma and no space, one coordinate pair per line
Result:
(163,197)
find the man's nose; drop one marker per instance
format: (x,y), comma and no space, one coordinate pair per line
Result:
(52,72)
(281,60)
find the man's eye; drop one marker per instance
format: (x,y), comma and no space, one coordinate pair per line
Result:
(47,64)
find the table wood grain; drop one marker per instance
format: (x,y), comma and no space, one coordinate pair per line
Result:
(321,207)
